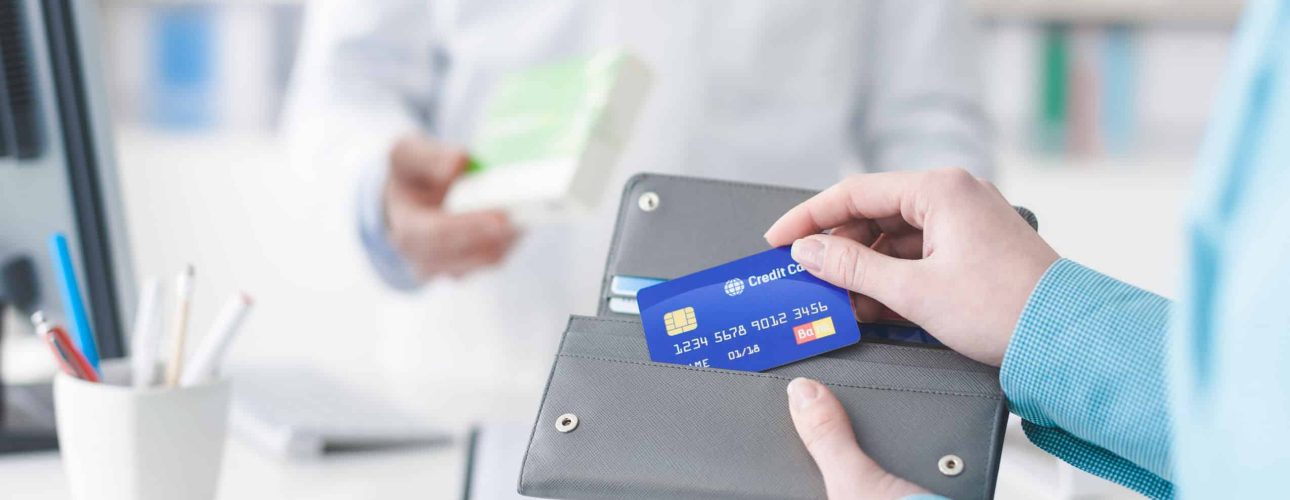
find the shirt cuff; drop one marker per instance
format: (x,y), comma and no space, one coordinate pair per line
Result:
(374,232)
(1087,357)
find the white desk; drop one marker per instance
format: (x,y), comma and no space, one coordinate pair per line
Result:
(438,473)
(422,473)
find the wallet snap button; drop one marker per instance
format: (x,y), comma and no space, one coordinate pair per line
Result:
(648,201)
(566,423)
(950,465)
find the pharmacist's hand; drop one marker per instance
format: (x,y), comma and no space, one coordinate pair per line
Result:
(434,241)
(956,258)
(825,429)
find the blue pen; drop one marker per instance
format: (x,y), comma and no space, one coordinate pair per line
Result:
(82,334)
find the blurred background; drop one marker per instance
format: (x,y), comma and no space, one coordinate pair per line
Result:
(1099,107)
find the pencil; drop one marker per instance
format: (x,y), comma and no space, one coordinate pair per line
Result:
(185,288)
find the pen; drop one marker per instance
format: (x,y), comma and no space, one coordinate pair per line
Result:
(65,358)
(60,354)
(69,359)
(144,337)
(185,289)
(206,360)
(71,291)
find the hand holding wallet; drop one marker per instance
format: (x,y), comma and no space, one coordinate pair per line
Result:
(614,424)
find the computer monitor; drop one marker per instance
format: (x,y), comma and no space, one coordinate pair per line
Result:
(56,175)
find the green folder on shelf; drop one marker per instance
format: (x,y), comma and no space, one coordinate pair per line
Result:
(1054,81)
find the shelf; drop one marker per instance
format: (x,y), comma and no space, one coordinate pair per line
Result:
(1208,13)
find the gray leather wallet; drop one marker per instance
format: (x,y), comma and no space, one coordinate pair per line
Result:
(613,424)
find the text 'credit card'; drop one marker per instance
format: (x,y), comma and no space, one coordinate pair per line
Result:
(752,314)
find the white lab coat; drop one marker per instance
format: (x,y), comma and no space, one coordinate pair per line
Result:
(773,91)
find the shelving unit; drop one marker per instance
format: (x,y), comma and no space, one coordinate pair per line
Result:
(1212,13)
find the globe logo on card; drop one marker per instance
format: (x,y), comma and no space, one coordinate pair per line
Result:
(734,286)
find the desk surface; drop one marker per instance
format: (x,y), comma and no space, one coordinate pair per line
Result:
(423,473)
(439,473)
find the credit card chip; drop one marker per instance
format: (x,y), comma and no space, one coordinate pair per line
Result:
(680,321)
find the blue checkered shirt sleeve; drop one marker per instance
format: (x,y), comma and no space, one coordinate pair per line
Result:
(1085,370)
(1086,373)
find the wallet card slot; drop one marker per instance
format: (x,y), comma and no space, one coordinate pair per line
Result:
(651,430)
(635,348)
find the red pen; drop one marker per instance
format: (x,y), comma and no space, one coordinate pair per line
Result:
(60,354)
(69,358)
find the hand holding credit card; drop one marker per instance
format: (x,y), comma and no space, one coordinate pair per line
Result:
(751,314)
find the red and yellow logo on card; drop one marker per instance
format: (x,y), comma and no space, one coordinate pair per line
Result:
(817,329)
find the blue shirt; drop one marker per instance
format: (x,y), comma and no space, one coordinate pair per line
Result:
(1192,400)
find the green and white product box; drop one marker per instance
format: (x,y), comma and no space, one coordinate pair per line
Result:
(551,135)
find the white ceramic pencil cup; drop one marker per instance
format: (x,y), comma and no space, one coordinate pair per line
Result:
(120,443)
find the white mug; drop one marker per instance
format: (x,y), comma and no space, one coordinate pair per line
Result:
(120,443)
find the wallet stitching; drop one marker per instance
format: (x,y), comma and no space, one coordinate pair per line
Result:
(593,319)
(777,377)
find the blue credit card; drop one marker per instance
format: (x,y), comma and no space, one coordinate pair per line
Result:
(752,314)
